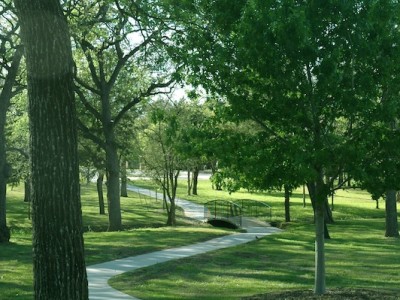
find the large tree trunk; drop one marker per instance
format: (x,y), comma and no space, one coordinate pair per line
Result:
(99,185)
(392,227)
(5,97)
(58,251)
(287,204)
(124,179)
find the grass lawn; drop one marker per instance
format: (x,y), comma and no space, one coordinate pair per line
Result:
(357,256)
(143,220)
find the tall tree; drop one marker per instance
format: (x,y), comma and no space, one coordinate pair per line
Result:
(160,142)
(120,62)
(307,72)
(58,251)
(11,54)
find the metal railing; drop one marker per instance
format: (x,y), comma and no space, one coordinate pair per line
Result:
(223,210)
(253,208)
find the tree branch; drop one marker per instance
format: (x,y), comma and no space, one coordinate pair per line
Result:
(87,105)
(148,92)
(89,135)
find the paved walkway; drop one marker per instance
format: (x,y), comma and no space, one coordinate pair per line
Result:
(98,275)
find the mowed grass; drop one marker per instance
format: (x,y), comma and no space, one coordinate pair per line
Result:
(143,220)
(348,204)
(357,256)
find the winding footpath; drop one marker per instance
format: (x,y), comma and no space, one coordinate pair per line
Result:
(98,275)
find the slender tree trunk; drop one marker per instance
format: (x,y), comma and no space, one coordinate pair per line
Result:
(171,187)
(5,97)
(113,192)
(99,185)
(320,226)
(27,190)
(124,179)
(189,182)
(392,227)
(195,180)
(58,250)
(304,195)
(328,212)
(171,221)
(287,203)
(319,284)
(313,196)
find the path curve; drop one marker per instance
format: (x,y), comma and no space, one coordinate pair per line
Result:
(99,274)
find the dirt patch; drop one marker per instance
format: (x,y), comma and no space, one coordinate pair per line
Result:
(332,294)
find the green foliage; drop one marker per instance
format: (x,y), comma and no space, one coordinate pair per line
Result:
(17,134)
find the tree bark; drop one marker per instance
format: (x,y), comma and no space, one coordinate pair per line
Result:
(287,204)
(392,227)
(58,250)
(113,192)
(5,97)
(189,182)
(195,180)
(320,226)
(171,221)
(124,179)
(27,190)
(99,185)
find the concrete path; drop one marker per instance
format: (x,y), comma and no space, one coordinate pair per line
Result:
(98,275)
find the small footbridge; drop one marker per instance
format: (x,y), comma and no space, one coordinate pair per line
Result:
(237,214)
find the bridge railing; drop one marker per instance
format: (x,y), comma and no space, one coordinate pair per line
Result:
(253,208)
(223,209)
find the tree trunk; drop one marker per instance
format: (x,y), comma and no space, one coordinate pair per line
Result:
(171,221)
(99,185)
(113,193)
(189,182)
(170,189)
(312,190)
(5,97)
(27,190)
(195,180)
(320,227)
(392,227)
(319,284)
(287,203)
(58,249)
(304,195)
(328,216)
(124,179)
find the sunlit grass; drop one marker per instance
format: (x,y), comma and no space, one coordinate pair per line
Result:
(357,256)
(348,204)
(142,217)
